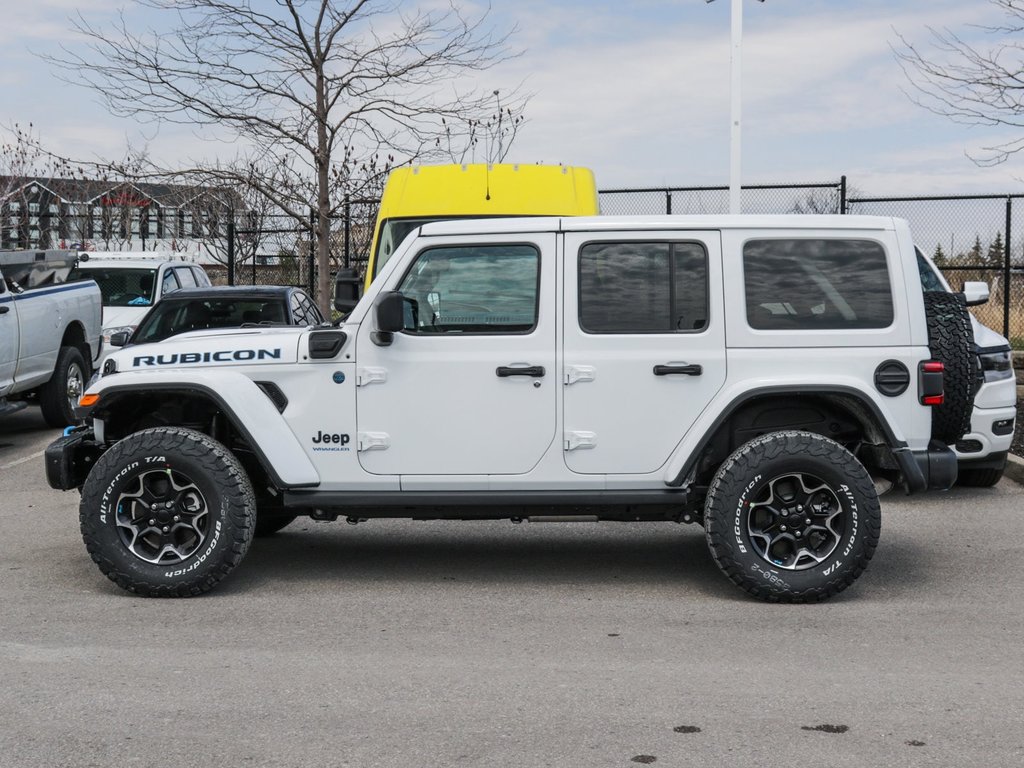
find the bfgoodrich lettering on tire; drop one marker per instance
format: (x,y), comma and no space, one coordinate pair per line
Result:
(167,512)
(792,517)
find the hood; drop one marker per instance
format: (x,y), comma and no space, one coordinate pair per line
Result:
(213,348)
(117,317)
(985,337)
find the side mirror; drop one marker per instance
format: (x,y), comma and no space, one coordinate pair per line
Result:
(390,312)
(976,292)
(119,339)
(390,316)
(348,288)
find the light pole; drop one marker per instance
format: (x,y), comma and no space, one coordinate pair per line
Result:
(736,78)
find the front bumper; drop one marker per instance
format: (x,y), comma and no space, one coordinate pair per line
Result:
(70,458)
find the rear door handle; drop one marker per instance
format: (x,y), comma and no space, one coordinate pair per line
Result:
(678,370)
(531,370)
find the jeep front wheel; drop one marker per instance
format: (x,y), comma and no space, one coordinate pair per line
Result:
(167,512)
(792,517)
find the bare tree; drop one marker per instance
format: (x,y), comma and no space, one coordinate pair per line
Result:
(971,83)
(313,88)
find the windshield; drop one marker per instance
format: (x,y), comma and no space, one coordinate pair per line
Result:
(392,233)
(173,316)
(120,287)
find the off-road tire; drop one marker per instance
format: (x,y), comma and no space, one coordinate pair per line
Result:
(979,478)
(196,466)
(269,523)
(763,467)
(57,401)
(951,340)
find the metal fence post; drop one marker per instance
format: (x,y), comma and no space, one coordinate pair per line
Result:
(231,247)
(668,202)
(1006,268)
(842,194)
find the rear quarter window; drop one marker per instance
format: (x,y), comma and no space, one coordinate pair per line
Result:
(816,284)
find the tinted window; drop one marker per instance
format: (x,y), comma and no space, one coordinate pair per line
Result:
(816,284)
(185,277)
(202,279)
(170,317)
(170,282)
(929,280)
(643,287)
(473,289)
(120,287)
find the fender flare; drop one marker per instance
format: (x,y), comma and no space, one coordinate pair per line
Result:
(247,407)
(675,475)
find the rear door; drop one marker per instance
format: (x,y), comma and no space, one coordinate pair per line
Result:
(644,345)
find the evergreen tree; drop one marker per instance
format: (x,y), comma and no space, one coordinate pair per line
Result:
(995,255)
(974,256)
(939,257)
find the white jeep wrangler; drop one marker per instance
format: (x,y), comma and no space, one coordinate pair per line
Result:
(752,374)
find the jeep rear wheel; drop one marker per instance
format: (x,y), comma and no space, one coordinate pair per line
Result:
(792,517)
(167,512)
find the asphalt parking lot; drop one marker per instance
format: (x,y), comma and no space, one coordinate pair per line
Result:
(436,644)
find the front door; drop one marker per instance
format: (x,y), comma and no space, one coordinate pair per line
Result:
(644,345)
(470,386)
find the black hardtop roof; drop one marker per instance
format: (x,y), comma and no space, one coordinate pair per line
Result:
(231,292)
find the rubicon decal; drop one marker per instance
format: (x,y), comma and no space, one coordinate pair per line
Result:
(332,442)
(220,356)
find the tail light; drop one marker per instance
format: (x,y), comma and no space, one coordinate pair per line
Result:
(929,380)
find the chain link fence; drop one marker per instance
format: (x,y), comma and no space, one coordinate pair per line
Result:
(828,197)
(969,237)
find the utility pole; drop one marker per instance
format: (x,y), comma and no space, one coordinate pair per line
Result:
(735,107)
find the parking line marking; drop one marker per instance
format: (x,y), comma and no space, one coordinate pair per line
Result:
(22,460)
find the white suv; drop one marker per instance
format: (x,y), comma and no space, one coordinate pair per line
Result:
(750,374)
(132,282)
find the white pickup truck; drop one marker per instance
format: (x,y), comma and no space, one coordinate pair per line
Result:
(49,333)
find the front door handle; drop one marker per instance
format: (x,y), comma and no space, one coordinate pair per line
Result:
(531,370)
(4,310)
(678,370)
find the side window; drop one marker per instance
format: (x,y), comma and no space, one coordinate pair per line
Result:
(202,279)
(929,280)
(169,283)
(473,289)
(647,287)
(185,277)
(313,316)
(816,284)
(298,311)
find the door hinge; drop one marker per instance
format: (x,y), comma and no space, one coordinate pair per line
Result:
(579,440)
(366,376)
(574,373)
(374,441)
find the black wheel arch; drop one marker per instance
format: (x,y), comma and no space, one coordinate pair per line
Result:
(128,409)
(843,414)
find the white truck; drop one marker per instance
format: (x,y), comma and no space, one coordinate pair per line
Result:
(752,374)
(49,333)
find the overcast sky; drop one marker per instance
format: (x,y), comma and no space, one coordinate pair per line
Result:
(638,91)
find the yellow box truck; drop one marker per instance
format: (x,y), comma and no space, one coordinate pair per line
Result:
(416,195)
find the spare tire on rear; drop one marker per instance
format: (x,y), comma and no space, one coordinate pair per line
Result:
(951,341)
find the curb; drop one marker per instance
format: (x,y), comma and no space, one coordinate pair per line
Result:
(1014,469)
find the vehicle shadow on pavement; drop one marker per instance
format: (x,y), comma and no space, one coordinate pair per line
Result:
(492,553)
